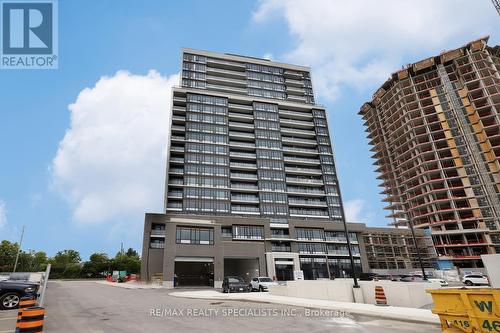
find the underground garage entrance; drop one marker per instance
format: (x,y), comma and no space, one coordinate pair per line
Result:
(247,268)
(194,272)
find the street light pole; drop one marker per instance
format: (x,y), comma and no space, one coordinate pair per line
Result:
(18,250)
(424,276)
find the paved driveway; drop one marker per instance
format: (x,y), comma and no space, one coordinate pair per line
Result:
(81,306)
(8,321)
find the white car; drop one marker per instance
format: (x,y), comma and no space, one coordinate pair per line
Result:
(262,283)
(475,279)
(443,283)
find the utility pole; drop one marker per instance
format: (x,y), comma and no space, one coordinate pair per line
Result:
(18,250)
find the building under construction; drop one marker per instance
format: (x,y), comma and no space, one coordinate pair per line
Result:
(394,248)
(434,128)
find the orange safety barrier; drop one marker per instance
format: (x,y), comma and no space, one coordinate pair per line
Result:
(380,298)
(31,320)
(27,302)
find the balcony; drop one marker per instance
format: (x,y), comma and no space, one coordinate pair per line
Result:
(276,248)
(241,144)
(242,175)
(158,232)
(157,245)
(236,124)
(174,206)
(178,171)
(241,135)
(177,138)
(300,141)
(239,165)
(176,160)
(303,170)
(177,149)
(243,186)
(240,115)
(298,131)
(299,202)
(245,210)
(242,155)
(245,198)
(305,190)
(301,150)
(301,160)
(302,115)
(178,128)
(175,194)
(301,180)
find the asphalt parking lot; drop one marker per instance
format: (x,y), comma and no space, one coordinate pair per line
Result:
(8,321)
(85,306)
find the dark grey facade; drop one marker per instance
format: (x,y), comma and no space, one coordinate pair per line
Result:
(251,181)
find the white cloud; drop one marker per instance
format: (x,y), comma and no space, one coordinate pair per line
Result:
(268,56)
(359,43)
(3,214)
(110,165)
(356,211)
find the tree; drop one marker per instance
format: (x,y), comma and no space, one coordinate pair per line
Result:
(132,253)
(66,264)
(67,257)
(98,265)
(8,252)
(125,262)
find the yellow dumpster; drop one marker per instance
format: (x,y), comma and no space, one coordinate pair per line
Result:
(467,310)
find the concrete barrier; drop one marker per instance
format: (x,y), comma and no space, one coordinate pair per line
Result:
(403,294)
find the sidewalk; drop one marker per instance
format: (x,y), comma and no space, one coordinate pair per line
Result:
(387,312)
(130,285)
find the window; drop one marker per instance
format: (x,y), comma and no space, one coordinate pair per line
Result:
(248,232)
(265,77)
(207,148)
(206,206)
(157,243)
(266,93)
(272,186)
(268,125)
(194,67)
(194,58)
(206,118)
(206,193)
(270,154)
(227,231)
(263,115)
(207,159)
(207,138)
(207,128)
(193,83)
(207,182)
(312,248)
(206,170)
(205,99)
(264,69)
(310,234)
(194,235)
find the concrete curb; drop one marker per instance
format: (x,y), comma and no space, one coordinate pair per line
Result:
(129,285)
(389,312)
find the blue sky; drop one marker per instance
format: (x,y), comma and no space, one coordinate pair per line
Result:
(44,180)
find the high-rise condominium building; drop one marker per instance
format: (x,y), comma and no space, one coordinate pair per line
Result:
(434,127)
(251,183)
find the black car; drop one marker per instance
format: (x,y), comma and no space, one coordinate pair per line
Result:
(12,291)
(368,277)
(234,284)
